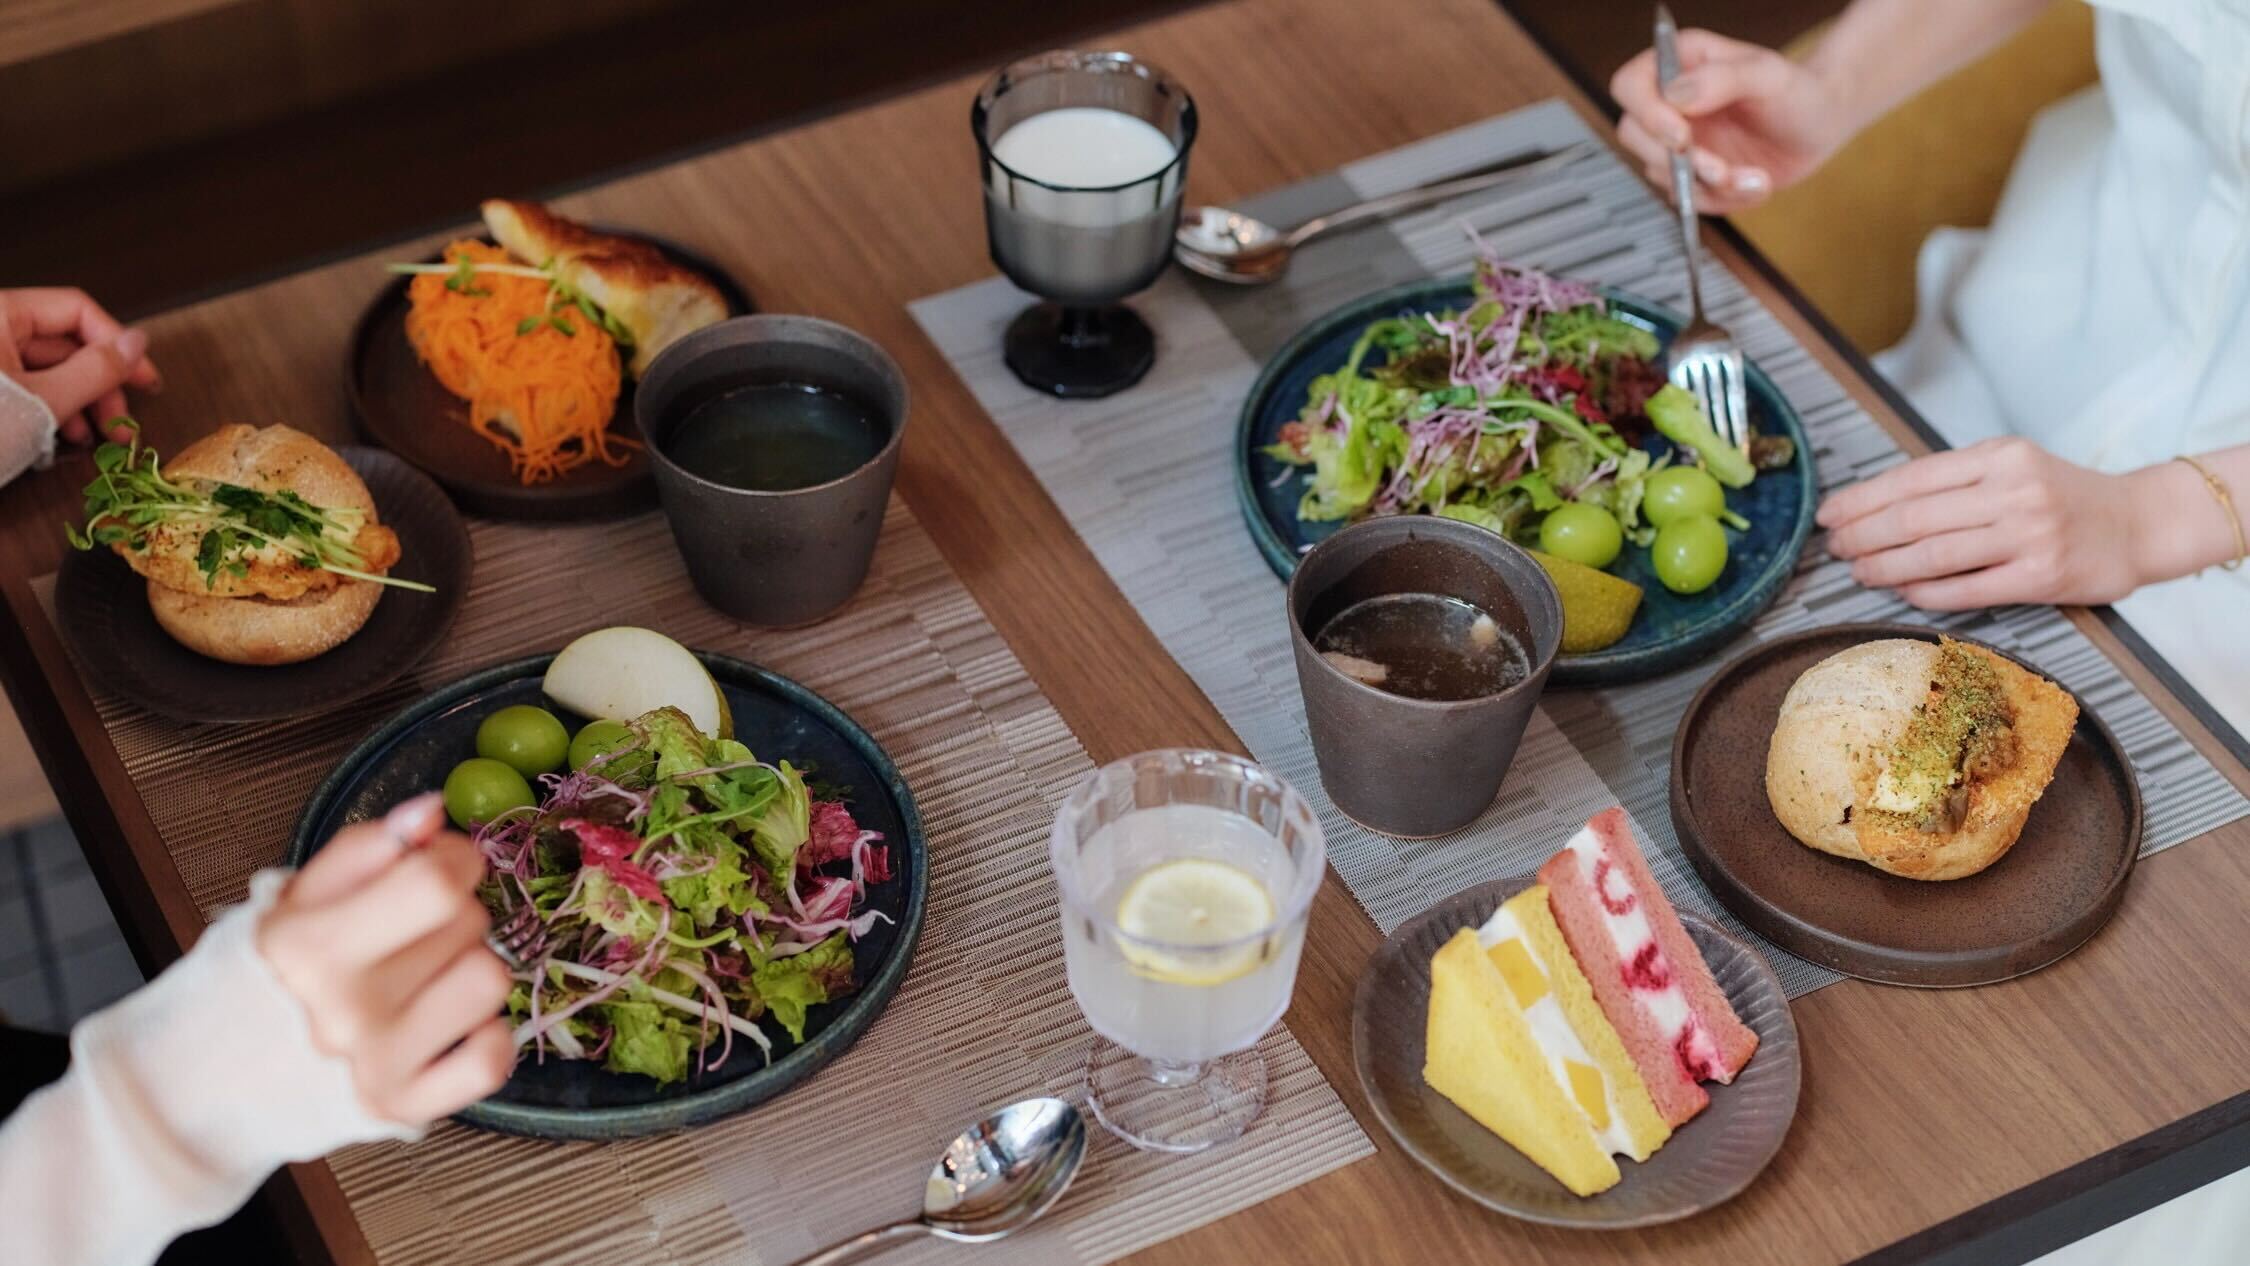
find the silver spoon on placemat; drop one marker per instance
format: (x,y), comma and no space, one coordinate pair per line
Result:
(1226,245)
(994,1180)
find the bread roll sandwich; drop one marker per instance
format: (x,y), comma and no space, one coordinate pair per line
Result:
(1921,759)
(260,546)
(657,301)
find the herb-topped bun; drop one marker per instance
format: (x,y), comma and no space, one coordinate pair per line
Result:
(1921,759)
(253,540)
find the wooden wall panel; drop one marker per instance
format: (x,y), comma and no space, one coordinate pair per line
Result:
(99,82)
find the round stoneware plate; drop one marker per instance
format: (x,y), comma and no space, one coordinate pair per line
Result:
(566,1099)
(2043,899)
(1704,1163)
(102,606)
(403,407)
(1670,630)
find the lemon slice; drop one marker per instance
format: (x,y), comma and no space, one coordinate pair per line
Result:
(1597,607)
(1190,902)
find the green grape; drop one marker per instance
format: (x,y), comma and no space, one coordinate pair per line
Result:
(480,789)
(1689,553)
(1676,492)
(530,740)
(594,739)
(1584,534)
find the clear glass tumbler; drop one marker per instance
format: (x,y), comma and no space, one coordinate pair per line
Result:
(1186,878)
(1084,217)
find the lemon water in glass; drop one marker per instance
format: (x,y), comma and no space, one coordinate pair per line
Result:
(1186,878)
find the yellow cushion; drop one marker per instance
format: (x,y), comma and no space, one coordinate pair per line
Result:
(1847,236)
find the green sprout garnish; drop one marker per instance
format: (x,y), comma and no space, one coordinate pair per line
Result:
(130,496)
(460,277)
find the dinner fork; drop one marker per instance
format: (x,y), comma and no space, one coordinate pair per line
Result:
(1706,361)
(520,939)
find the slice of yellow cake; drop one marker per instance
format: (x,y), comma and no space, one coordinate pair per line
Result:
(1623,1114)
(1517,1042)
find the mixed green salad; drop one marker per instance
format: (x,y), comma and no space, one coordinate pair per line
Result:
(684,890)
(1520,413)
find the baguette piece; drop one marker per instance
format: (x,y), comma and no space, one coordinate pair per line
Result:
(657,300)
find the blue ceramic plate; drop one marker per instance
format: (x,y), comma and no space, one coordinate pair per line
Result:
(1669,631)
(566,1099)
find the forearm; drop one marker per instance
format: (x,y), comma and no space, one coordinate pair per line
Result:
(179,1101)
(1881,52)
(2180,524)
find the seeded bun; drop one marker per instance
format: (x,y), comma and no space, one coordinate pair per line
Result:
(273,459)
(279,611)
(1835,721)
(264,631)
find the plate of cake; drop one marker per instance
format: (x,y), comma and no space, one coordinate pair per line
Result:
(1567,1048)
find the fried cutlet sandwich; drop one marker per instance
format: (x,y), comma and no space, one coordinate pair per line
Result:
(259,545)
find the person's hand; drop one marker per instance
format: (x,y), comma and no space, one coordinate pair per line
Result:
(2004,521)
(382,939)
(72,354)
(1750,119)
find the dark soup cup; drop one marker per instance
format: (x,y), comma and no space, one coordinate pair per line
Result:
(1420,767)
(784,553)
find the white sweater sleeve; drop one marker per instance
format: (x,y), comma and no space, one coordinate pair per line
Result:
(179,1101)
(27,430)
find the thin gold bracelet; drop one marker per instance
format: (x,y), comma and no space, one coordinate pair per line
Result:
(2226,503)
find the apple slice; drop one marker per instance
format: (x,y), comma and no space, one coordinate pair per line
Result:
(619,673)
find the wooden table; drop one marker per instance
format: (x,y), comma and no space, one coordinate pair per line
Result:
(1929,1119)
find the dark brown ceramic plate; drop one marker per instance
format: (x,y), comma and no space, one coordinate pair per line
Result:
(1706,1162)
(2040,901)
(403,407)
(102,606)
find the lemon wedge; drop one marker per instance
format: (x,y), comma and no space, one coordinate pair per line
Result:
(1597,607)
(1190,902)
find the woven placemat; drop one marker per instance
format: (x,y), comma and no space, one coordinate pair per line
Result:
(985,1016)
(1147,479)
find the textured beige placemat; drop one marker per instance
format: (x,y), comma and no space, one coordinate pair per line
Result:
(983,1018)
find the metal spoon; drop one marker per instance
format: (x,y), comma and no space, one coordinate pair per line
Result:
(1226,245)
(994,1180)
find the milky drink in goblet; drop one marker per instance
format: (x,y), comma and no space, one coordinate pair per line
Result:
(1188,964)
(1073,211)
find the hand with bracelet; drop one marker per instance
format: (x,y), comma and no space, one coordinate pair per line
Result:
(2005,521)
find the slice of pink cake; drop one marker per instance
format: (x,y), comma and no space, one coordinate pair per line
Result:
(1645,971)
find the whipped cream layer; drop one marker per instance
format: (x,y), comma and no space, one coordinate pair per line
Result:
(1551,1032)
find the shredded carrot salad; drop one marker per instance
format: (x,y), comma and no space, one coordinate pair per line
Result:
(541,379)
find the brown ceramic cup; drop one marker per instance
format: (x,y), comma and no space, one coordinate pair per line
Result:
(1417,768)
(785,558)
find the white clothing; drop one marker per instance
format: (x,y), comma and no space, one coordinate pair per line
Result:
(2106,312)
(27,430)
(2106,315)
(179,1101)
